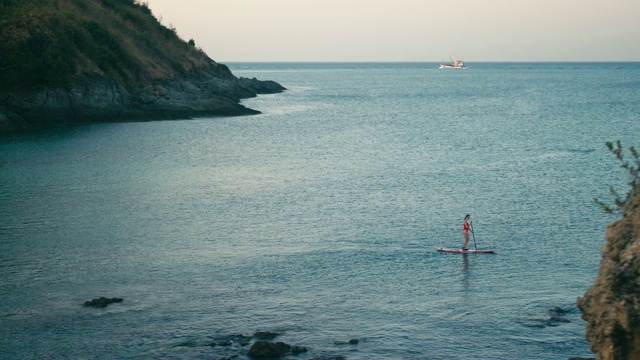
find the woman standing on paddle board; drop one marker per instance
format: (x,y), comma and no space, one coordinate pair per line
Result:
(465,231)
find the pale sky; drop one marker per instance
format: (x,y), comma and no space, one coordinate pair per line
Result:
(407,30)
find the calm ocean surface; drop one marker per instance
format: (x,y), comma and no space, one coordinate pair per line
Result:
(319,219)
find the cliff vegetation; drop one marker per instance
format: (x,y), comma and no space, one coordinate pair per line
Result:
(611,306)
(45,43)
(103,60)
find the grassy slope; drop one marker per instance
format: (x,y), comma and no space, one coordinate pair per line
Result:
(44,43)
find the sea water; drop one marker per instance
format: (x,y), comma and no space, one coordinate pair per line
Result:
(319,219)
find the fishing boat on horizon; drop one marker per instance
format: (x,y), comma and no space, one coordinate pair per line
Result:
(454,64)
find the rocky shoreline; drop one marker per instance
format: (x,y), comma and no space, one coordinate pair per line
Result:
(92,97)
(264,344)
(107,61)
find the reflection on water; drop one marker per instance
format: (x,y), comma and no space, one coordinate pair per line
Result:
(465,272)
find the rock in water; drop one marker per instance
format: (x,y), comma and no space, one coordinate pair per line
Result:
(261,86)
(102,302)
(611,306)
(267,350)
(262,349)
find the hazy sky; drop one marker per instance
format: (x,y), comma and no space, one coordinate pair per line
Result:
(407,30)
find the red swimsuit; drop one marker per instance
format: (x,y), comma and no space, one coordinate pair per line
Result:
(465,227)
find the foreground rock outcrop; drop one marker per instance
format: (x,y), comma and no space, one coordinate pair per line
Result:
(611,307)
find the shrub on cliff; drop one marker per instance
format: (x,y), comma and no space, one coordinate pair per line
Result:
(46,43)
(633,169)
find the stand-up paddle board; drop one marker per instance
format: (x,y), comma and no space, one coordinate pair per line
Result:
(468,251)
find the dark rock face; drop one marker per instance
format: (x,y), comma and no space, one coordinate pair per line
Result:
(209,91)
(267,350)
(261,87)
(102,302)
(611,306)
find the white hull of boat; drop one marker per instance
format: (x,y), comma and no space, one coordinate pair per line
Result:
(454,64)
(442,66)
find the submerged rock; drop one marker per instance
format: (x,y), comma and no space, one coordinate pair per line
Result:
(558,310)
(611,306)
(295,350)
(265,335)
(230,340)
(350,342)
(102,302)
(556,318)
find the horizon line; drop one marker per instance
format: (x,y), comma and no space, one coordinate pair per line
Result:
(423,62)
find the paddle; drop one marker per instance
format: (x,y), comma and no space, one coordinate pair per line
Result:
(474,235)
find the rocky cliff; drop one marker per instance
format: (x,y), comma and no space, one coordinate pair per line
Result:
(611,307)
(70,61)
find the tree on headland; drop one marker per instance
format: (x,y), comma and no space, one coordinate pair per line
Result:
(633,169)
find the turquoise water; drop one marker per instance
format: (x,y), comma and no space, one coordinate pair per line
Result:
(319,219)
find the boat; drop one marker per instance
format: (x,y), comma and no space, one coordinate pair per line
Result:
(460,251)
(454,64)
